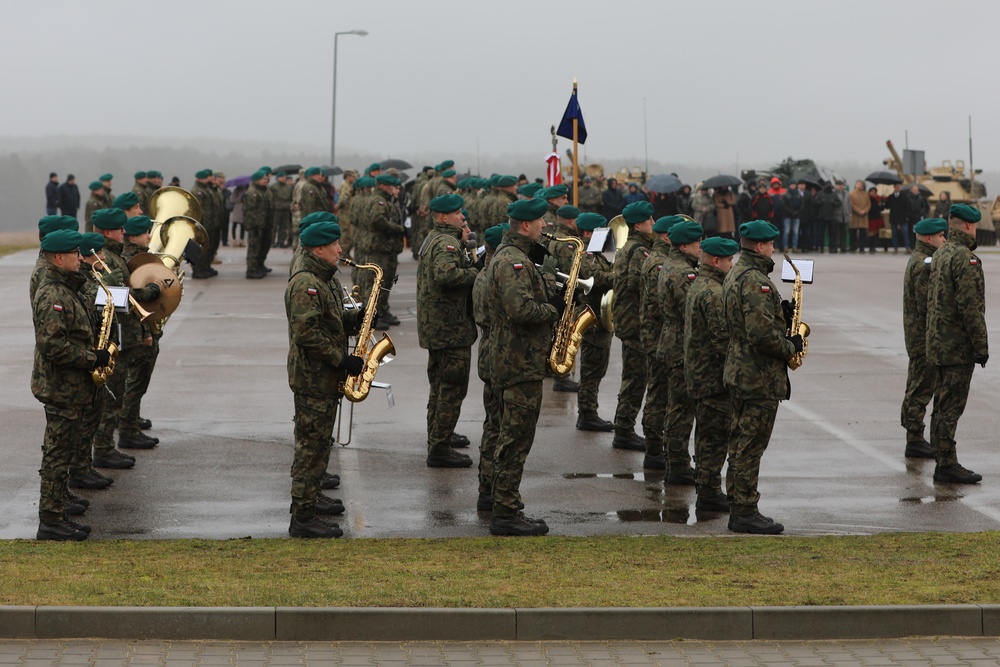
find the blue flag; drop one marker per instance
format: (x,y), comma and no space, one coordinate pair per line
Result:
(566,124)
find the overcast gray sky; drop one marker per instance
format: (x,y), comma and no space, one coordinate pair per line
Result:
(761,80)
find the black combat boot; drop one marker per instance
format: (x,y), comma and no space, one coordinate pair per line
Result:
(312,527)
(73,509)
(88,481)
(452,459)
(518,525)
(681,477)
(59,531)
(654,462)
(918,448)
(956,474)
(329,506)
(137,441)
(82,527)
(76,500)
(330,481)
(710,500)
(145,424)
(627,439)
(566,384)
(390,319)
(756,524)
(593,423)
(458,441)
(484,503)
(115,460)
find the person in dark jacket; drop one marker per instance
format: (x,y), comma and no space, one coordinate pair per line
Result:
(920,208)
(744,204)
(684,201)
(612,200)
(875,223)
(828,211)
(69,197)
(899,210)
(52,194)
(791,204)
(807,218)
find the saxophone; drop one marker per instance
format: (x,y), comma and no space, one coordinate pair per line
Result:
(356,387)
(569,331)
(797,326)
(104,342)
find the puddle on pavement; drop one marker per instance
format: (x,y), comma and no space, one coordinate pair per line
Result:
(638,476)
(668,515)
(937,498)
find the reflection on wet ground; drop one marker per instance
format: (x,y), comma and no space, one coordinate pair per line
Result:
(637,476)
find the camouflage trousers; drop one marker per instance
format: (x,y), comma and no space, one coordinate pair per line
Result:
(951,392)
(655,412)
(296,216)
(214,236)
(314,421)
(421,228)
(678,422)
(919,392)
(520,405)
(491,436)
(595,353)
(635,375)
(346,237)
(714,417)
(63,440)
(140,370)
(448,375)
(114,395)
(83,459)
(258,245)
(753,422)
(283,227)
(366,278)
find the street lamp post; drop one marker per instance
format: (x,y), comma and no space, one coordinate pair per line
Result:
(333,124)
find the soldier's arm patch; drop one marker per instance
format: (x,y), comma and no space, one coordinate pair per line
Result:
(927,261)
(57,306)
(450,247)
(766,289)
(518,266)
(973,261)
(311,291)
(692,276)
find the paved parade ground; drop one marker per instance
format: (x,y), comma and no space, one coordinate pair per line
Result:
(220,404)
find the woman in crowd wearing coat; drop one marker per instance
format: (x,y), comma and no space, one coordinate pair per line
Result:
(860,204)
(875,221)
(725,200)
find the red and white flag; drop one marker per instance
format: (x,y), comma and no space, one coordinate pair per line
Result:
(553,172)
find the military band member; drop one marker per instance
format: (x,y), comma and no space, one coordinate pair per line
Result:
(919,376)
(529,190)
(94,202)
(128,202)
(565,227)
(595,349)
(956,336)
(380,239)
(105,180)
(202,189)
(46,225)
(706,340)
(140,190)
(555,196)
(493,209)
(258,213)
(346,195)
(756,369)
(318,363)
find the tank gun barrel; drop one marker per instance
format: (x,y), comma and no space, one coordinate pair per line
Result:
(895,162)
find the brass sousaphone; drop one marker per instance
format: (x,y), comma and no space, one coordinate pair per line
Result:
(619,229)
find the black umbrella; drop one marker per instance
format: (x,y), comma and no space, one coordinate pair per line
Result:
(721,181)
(924,190)
(289,168)
(664,183)
(883,178)
(811,184)
(331,171)
(392,163)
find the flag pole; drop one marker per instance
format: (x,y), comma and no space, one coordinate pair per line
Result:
(576,161)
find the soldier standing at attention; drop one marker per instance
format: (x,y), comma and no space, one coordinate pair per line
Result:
(493,209)
(528,190)
(154,181)
(589,196)
(446,328)
(202,190)
(706,340)
(105,180)
(555,196)
(296,210)
(61,377)
(523,305)
(281,195)
(625,313)
(139,188)
(344,210)
(94,202)
(679,272)
(565,227)
(258,210)
(379,222)
(756,370)
(919,375)
(216,186)
(956,336)
(318,363)
(595,350)
(650,327)
(128,202)
(373,170)
(46,225)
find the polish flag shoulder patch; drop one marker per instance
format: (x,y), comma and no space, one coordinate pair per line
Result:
(518,266)
(659,267)
(450,247)
(766,289)
(57,307)
(973,261)
(692,276)
(312,291)
(645,254)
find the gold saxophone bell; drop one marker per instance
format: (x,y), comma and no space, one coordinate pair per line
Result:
(570,328)
(797,326)
(357,387)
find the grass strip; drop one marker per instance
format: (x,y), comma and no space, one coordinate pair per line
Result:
(11,248)
(922,568)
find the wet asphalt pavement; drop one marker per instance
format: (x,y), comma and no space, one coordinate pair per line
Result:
(220,404)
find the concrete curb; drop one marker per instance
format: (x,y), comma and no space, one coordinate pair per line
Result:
(436,624)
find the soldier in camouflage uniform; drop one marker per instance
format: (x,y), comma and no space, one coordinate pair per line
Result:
(523,304)
(105,180)
(679,272)
(65,334)
(588,196)
(94,202)
(258,214)
(445,328)
(380,240)
(46,225)
(756,369)
(625,313)
(919,376)
(595,349)
(565,253)
(209,217)
(529,190)
(493,208)
(434,187)
(555,196)
(419,217)
(364,193)
(281,195)
(296,210)
(706,340)
(217,184)
(956,336)
(154,181)
(346,195)
(139,188)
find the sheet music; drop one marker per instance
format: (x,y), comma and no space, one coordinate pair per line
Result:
(120,297)
(805,267)
(602,240)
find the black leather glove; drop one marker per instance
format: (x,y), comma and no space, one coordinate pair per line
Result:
(481,262)
(797,342)
(352,364)
(103,358)
(982,359)
(788,308)
(154,290)
(559,301)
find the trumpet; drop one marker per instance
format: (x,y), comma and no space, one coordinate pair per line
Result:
(586,285)
(142,312)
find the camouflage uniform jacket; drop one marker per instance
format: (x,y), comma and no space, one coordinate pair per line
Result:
(706,338)
(493,209)
(281,195)
(650,319)
(521,318)
(379,230)
(312,198)
(132,331)
(444,291)
(918,270)
(564,252)
(140,191)
(94,203)
(589,198)
(36,276)
(344,201)
(64,341)
(599,268)
(219,201)
(550,218)
(956,303)
(258,208)
(209,216)
(756,360)
(627,269)
(679,272)
(317,331)
(439,188)
(481,314)
(128,252)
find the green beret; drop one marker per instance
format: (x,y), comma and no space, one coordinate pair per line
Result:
(759,230)
(447,173)
(374,166)
(52,223)
(204,173)
(529,190)
(556,191)
(152,173)
(685,231)
(720,246)
(319,233)
(386,179)
(663,225)
(312,171)
(105,177)
(96,185)
(568,212)
(91,243)
(136,225)
(62,240)
(637,212)
(266,169)
(446,203)
(109,218)
(527,209)
(447,164)
(506,180)
(965,212)
(125,200)
(318,216)
(259,174)
(588,222)
(364,182)
(929,226)
(494,235)
(139,174)
(281,173)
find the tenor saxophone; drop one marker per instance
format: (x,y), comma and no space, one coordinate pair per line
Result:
(356,387)
(104,342)
(797,326)
(569,332)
